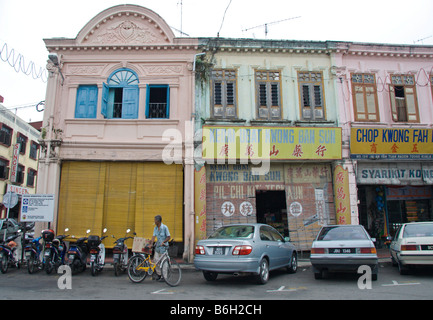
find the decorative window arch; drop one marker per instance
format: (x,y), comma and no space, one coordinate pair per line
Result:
(120,95)
(123,77)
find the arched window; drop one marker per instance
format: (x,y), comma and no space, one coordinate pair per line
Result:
(120,95)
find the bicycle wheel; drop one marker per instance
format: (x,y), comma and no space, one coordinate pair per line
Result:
(134,274)
(171,272)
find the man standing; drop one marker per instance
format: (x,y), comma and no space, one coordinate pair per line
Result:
(162,235)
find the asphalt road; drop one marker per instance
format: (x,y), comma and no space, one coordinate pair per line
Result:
(18,284)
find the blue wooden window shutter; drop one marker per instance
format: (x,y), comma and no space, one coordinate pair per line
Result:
(130,103)
(104,105)
(87,101)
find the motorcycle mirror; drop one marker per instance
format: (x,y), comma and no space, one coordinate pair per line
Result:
(127,231)
(67,229)
(88,231)
(105,230)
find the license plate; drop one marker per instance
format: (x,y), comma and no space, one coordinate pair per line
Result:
(92,258)
(218,251)
(342,250)
(28,254)
(47,253)
(427,247)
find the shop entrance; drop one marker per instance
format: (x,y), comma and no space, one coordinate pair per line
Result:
(272,209)
(382,209)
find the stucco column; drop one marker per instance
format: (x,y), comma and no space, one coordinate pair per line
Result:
(189,192)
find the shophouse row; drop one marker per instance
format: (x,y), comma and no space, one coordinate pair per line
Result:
(209,131)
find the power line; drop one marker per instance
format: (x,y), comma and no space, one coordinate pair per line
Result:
(17,61)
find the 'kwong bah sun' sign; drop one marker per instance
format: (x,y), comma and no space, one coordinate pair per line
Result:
(271,143)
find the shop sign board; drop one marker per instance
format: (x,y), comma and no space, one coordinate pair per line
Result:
(391,143)
(37,208)
(271,143)
(342,197)
(396,173)
(14,166)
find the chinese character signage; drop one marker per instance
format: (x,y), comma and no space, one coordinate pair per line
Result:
(341,195)
(392,143)
(271,143)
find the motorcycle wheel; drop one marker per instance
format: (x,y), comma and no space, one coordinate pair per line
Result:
(116,269)
(4,263)
(49,267)
(31,264)
(93,268)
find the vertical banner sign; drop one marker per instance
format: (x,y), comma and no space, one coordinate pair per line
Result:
(342,198)
(15,159)
(200,203)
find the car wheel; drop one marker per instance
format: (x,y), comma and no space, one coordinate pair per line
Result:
(293,263)
(404,270)
(263,275)
(210,276)
(321,274)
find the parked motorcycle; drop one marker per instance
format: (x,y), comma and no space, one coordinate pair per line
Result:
(8,253)
(97,253)
(47,237)
(33,252)
(77,255)
(120,254)
(55,256)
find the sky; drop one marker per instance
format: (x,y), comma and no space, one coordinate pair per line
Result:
(25,23)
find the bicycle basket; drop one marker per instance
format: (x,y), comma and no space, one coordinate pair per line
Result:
(139,244)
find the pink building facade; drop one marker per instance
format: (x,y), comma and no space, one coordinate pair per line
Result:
(119,97)
(385,101)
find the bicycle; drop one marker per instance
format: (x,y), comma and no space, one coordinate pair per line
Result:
(141,265)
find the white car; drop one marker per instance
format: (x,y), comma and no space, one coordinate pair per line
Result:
(412,245)
(343,248)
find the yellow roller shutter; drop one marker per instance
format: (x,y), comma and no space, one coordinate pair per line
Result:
(118,196)
(119,200)
(81,197)
(159,191)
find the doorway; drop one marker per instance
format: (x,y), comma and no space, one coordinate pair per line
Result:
(272,209)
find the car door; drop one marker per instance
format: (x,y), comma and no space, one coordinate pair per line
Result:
(270,245)
(283,248)
(395,244)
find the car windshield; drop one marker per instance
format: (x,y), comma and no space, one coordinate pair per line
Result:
(230,232)
(342,233)
(418,230)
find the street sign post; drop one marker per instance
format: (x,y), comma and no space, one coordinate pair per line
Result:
(37,208)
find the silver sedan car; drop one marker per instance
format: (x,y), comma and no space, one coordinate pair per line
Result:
(343,248)
(245,248)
